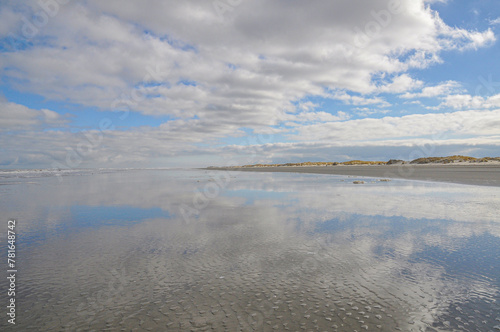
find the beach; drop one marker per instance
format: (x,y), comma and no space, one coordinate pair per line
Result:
(471,174)
(198,250)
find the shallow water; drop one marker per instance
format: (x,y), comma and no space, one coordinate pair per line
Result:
(198,250)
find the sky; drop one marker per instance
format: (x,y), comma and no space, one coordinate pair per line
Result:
(121,83)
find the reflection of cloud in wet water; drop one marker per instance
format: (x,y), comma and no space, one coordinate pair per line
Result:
(395,198)
(398,254)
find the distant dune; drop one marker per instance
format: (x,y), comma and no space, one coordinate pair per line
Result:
(456,169)
(419,161)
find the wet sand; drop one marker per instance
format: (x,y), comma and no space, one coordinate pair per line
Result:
(273,252)
(484,175)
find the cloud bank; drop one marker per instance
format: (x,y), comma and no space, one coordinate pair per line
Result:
(213,74)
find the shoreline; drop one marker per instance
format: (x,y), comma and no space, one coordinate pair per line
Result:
(471,174)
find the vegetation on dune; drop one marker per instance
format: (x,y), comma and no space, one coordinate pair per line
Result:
(396,162)
(362,162)
(308,163)
(452,159)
